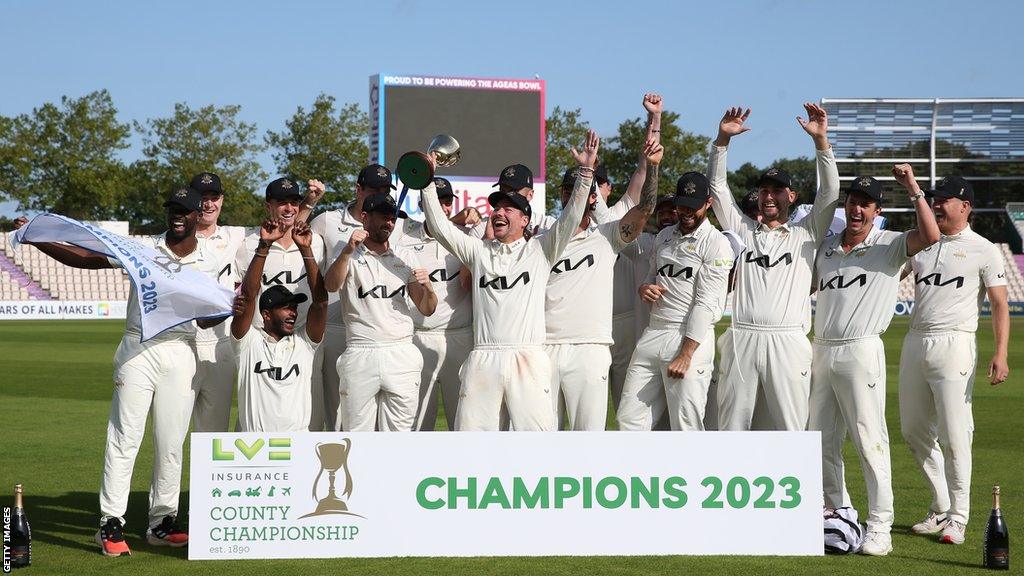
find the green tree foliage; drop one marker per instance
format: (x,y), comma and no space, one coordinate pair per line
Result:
(325,143)
(684,152)
(64,158)
(564,129)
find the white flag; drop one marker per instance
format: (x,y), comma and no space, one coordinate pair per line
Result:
(169,294)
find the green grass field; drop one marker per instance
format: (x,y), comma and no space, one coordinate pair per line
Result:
(56,391)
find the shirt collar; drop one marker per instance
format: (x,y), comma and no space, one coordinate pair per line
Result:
(160,243)
(510,247)
(762,227)
(697,233)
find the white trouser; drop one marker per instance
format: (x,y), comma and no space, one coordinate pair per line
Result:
(936,387)
(624,336)
(579,383)
(771,365)
(848,394)
(155,375)
(517,378)
(330,350)
(711,406)
(379,386)
(444,352)
(648,390)
(214,385)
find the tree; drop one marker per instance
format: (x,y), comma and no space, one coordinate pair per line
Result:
(684,152)
(190,141)
(326,144)
(563,130)
(64,158)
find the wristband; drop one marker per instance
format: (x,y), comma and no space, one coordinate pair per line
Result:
(309,258)
(655,131)
(916,197)
(258,255)
(307,205)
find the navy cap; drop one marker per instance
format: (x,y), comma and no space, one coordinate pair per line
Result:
(692,190)
(867,186)
(601,174)
(517,200)
(375,176)
(569,180)
(282,189)
(187,198)
(516,176)
(277,296)
(671,200)
(444,187)
(206,182)
(953,187)
(777,176)
(383,203)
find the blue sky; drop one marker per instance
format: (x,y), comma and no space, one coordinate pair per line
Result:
(271,57)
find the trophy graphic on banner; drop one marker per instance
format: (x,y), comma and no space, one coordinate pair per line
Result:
(415,169)
(333,457)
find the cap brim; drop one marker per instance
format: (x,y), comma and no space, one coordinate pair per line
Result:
(772,180)
(170,203)
(876,198)
(694,202)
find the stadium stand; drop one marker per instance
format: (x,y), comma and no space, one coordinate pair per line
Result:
(62,282)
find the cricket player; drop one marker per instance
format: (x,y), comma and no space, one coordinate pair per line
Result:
(508,365)
(276,363)
(766,353)
(285,266)
(686,286)
(214,382)
(937,364)
(582,280)
(858,274)
(379,371)
(155,375)
(445,337)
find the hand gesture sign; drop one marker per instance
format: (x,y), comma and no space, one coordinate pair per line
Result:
(421,276)
(239,304)
(652,103)
(733,122)
(904,175)
(20,221)
(588,157)
(315,191)
(653,152)
(271,231)
(817,121)
(355,240)
(302,234)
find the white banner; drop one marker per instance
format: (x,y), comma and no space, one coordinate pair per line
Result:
(320,495)
(169,294)
(63,309)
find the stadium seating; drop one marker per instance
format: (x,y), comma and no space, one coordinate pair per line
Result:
(63,282)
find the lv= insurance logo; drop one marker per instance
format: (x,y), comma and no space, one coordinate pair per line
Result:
(333,457)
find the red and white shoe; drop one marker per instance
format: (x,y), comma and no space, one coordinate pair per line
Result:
(167,533)
(110,537)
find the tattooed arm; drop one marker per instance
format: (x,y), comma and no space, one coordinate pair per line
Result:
(632,224)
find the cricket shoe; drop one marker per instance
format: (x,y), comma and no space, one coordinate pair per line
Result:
(110,537)
(953,533)
(167,533)
(933,523)
(877,544)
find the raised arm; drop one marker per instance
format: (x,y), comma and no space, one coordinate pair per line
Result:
(722,202)
(634,188)
(555,240)
(447,234)
(316,317)
(315,190)
(338,271)
(632,224)
(422,292)
(927,231)
(827,197)
(270,232)
(66,254)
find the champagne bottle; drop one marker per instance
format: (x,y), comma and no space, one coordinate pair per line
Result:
(21,534)
(997,539)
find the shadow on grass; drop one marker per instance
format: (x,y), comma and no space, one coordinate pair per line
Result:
(72,519)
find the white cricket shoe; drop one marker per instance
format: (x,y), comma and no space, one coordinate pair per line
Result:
(877,544)
(953,533)
(932,524)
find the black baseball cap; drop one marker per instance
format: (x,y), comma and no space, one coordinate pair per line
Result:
(601,174)
(384,203)
(444,187)
(692,190)
(517,176)
(775,175)
(187,198)
(569,180)
(282,189)
(277,296)
(517,200)
(748,204)
(375,176)
(867,186)
(664,200)
(953,187)
(206,182)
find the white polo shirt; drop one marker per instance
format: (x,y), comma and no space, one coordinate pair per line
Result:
(222,246)
(950,281)
(335,227)
(375,303)
(284,267)
(857,290)
(694,268)
(774,272)
(273,381)
(454,305)
(578,304)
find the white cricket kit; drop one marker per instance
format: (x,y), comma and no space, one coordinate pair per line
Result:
(507,364)
(214,382)
(379,371)
(153,375)
(938,362)
(273,381)
(578,316)
(444,338)
(285,267)
(766,351)
(694,268)
(856,295)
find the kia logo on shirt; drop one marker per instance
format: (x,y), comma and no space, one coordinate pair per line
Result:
(381,291)
(283,277)
(669,271)
(566,265)
(442,275)
(935,279)
(764,262)
(838,283)
(502,283)
(274,372)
